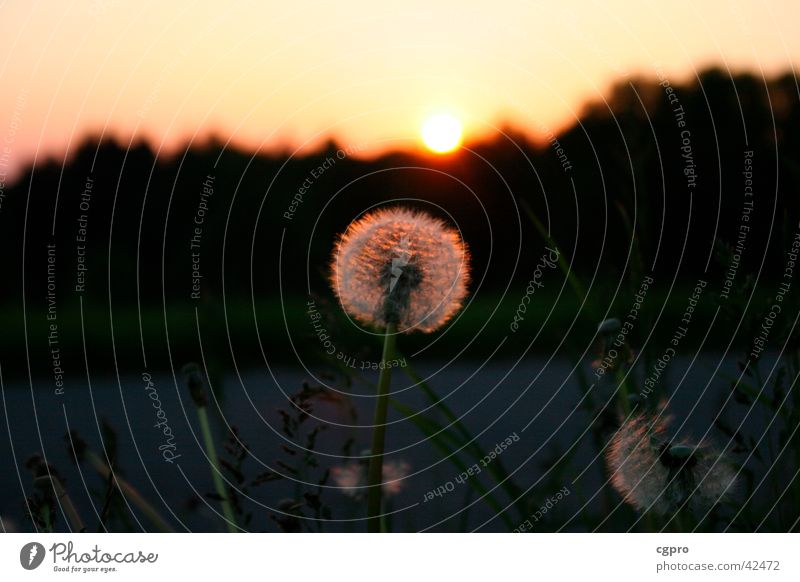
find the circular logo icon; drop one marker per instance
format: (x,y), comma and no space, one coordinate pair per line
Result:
(31,555)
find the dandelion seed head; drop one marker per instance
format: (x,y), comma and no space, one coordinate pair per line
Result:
(715,476)
(397,265)
(653,472)
(632,458)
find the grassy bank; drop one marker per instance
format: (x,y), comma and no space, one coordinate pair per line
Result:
(547,320)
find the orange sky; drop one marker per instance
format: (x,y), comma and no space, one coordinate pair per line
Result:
(287,75)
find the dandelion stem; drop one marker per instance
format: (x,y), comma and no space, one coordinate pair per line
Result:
(375,472)
(650,523)
(47,518)
(684,521)
(211,451)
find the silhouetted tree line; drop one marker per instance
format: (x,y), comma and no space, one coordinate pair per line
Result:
(625,166)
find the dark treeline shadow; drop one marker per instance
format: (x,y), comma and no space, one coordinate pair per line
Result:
(624,157)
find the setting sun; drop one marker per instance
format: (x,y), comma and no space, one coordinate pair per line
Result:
(442,133)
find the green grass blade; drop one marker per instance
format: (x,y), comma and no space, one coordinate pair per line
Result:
(437,434)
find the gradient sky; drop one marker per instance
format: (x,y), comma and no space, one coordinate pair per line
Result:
(281,75)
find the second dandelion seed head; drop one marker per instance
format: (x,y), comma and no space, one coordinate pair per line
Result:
(654,472)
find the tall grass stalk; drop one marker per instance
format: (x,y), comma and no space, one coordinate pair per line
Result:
(130,493)
(65,501)
(216,474)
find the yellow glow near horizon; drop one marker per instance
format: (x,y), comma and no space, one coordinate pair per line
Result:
(442,133)
(273,76)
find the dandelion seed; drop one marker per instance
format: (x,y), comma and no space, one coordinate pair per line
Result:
(352,478)
(400,266)
(393,474)
(653,472)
